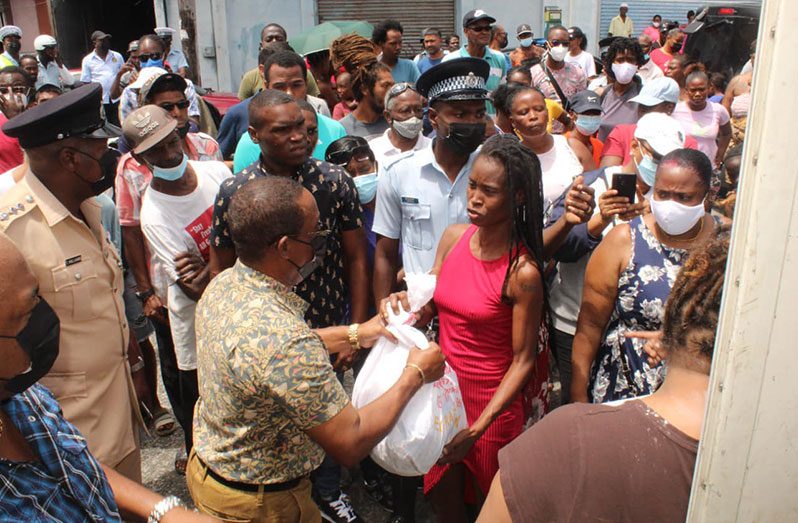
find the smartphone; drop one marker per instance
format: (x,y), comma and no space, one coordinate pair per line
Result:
(626,185)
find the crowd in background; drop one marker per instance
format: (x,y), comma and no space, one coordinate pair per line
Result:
(575,210)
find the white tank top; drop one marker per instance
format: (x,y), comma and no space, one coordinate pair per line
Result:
(560,166)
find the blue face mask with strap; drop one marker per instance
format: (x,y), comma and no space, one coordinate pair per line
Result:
(366,185)
(647,169)
(525,42)
(588,124)
(171,174)
(153,63)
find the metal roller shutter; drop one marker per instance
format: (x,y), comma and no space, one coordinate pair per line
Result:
(642,11)
(414,15)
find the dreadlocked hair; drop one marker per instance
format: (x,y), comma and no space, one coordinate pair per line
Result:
(693,307)
(356,55)
(523,177)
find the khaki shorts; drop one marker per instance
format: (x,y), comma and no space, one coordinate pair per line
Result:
(228,504)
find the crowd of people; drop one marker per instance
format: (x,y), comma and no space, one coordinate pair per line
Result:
(574,209)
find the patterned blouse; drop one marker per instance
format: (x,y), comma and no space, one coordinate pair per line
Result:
(621,369)
(339,210)
(264,379)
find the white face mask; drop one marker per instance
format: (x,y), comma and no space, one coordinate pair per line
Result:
(408,128)
(676,218)
(558,53)
(624,72)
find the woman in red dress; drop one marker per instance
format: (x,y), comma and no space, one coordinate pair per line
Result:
(489,300)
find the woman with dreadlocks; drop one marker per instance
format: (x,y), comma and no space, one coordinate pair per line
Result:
(629,278)
(371,80)
(602,462)
(489,300)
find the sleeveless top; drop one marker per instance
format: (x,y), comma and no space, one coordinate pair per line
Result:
(476,337)
(621,368)
(559,166)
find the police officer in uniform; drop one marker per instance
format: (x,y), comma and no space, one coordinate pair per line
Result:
(53,218)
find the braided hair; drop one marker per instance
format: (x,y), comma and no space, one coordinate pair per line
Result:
(356,55)
(693,307)
(523,177)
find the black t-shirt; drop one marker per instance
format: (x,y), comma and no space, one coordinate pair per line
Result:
(339,210)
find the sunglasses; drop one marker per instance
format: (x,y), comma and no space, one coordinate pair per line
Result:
(343,156)
(318,239)
(555,43)
(151,56)
(399,88)
(168,106)
(480,29)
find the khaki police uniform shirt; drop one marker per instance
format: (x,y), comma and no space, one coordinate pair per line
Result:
(80,276)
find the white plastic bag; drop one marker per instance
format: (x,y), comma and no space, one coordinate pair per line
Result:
(433,416)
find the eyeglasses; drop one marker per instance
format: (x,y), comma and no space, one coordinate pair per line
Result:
(344,156)
(169,106)
(555,43)
(151,56)
(16,89)
(318,238)
(480,29)
(397,89)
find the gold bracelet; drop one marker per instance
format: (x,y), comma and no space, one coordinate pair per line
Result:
(353,341)
(420,372)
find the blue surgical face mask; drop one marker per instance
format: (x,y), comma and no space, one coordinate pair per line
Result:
(525,42)
(152,63)
(647,169)
(588,124)
(171,174)
(366,185)
(646,58)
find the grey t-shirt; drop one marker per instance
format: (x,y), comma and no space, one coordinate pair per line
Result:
(354,127)
(616,109)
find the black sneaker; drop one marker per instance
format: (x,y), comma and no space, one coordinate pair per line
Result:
(337,510)
(380,490)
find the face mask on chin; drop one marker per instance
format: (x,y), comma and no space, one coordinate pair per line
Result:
(319,244)
(40,341)
(171,174)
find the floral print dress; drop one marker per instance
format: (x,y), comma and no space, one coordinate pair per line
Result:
(621,368)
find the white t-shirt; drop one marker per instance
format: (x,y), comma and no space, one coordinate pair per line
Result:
(176,224)
(383,149)
(703,125)
(559,166)
(583,60)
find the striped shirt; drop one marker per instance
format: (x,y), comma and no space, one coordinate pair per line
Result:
(67,483)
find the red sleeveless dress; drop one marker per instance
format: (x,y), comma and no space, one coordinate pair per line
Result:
(476,337)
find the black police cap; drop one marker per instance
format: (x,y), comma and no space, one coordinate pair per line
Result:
(457,79)
(77,114)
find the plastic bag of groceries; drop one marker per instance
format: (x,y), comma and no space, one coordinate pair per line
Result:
(433,416)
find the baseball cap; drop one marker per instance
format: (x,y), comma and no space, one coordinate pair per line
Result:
(524,29)
(145,75)
(624,5)
(146,127)
(662,132)
(475,15)
(657,91)
(99,35)
(160,78)
(42,41)
(585,101)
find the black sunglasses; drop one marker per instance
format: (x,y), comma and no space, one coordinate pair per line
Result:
(168,106)
(151,56)
(343,156)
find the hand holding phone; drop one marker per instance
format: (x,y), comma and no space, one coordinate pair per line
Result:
(626,185)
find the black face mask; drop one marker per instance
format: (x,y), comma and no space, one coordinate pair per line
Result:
(107,163)
(464,138)
(676,47)
(39,339)
(183,131)
(13,47)
(319,244)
